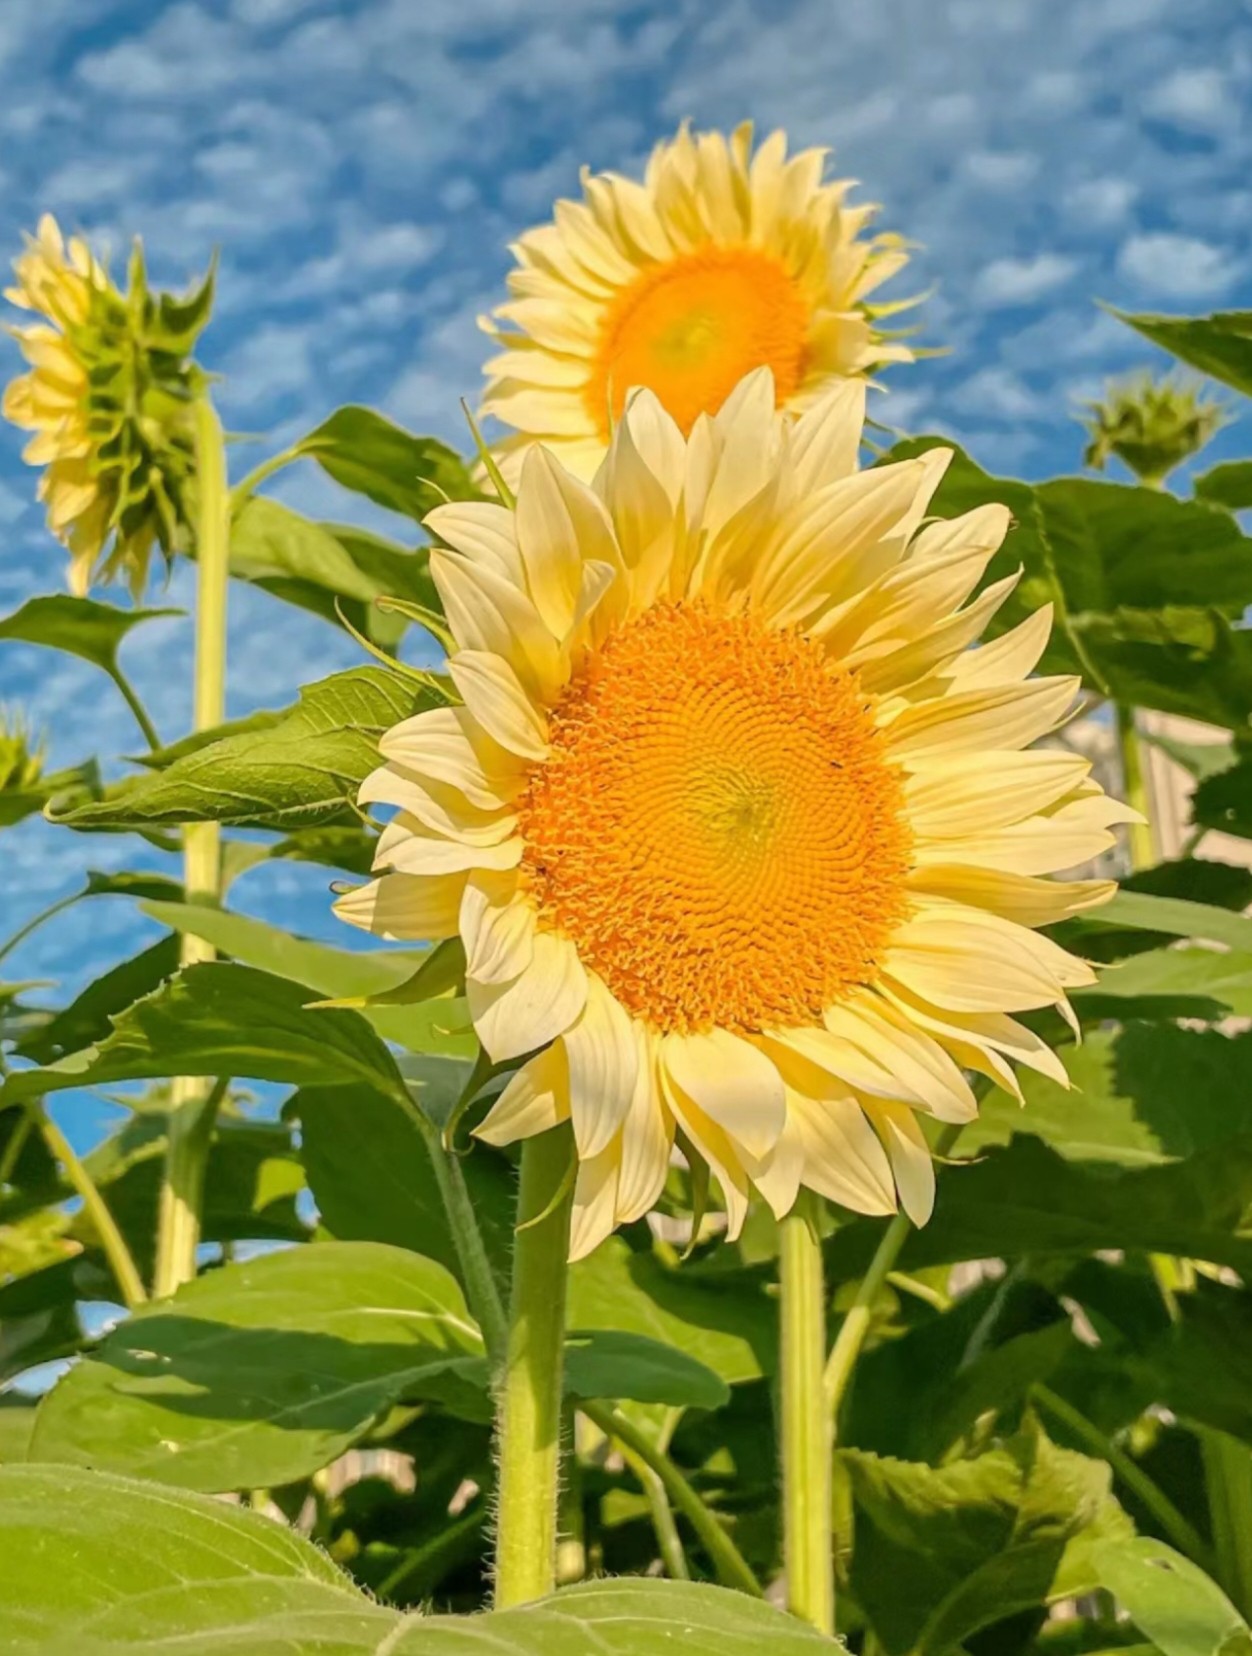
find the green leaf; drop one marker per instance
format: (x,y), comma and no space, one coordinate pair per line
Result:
(299,771)
(136,1563)
(1219,345)
(259,1373)
(334,973)
(370,455)
(1141,1096)
(723,1319)
(1171,983)
(217,1019)
(1026,1198)
(79,626)
(16,804)
(1228,485)
(382,1188)
(609,1363)
(17,1422)
(1224,801)
(316,565)
(1142,912)
(95,1565)
(944,1551)
(88,1018)
(1171,1600)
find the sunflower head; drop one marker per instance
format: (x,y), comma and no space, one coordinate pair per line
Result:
(723,260)
(746,846)
(1152,426)
(108,398)
(21,757)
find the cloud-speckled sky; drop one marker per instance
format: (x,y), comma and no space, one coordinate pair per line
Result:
(362,165)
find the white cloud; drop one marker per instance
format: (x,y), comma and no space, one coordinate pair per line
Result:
(1023,281)
(1001,169)
(1181,267)
(998,394)
(1100,201)
(1198,99)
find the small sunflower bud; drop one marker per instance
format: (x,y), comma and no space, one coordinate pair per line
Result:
(1151,426)
(108,398)
(21,763)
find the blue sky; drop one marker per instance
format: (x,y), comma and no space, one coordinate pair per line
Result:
(363,165)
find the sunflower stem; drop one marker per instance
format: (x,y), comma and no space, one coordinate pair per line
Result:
(1134,779)
(113,1243)
(194,1099)
(732,1568)
(131,697)
(528,1407)
(808,1535)
(855,1326)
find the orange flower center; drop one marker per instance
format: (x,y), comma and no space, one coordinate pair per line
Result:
(690,329)
(717,829)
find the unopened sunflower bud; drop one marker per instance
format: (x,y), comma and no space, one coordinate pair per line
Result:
(1151,426)
(108,398)
(21,763)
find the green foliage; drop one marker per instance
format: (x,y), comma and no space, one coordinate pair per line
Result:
(1219,345)
(299,769)
(370,455)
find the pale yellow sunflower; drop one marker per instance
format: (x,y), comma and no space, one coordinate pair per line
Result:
(739,834)
(108,398)
(722,261)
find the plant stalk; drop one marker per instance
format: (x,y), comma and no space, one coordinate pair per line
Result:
(131,698)
(193,1099)
(732,1568)
(529,1393)
(1152,1497)
(1134,779)
(808,1536)
(481,1291)
(121,1261)
(1228,1478)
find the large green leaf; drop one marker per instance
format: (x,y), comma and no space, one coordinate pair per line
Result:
(262,1372)
(370,455)
(1171,1600)
(341,974)
(16,804)
(944,1551)
(1142,912)
(606,1362)
(1141,1095)
(96,1565)
(219,1019)
(723,1319)
(1219,345)
(369,1168)
(319,565)
(299,771)
(1224,801)
(1026,1198)
(1228,485)
(1171,983)
(79,626)
(88,1018)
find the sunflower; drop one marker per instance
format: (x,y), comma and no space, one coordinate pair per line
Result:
(720,262)
(108,398)
(739,835)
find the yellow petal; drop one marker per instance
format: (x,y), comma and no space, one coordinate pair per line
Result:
(733,1083)
(533,1008)
(405,907)
(497,925)
(910,1158)
(1019,897)
(603,1069)
(493,693)
(535,1099)
(843,1158)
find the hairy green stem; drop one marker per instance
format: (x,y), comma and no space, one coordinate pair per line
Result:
(729,1563)
(481,1291)
(529,1392)
(1152,1497)
(191,1112)
(121,1261)
(808,1539)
